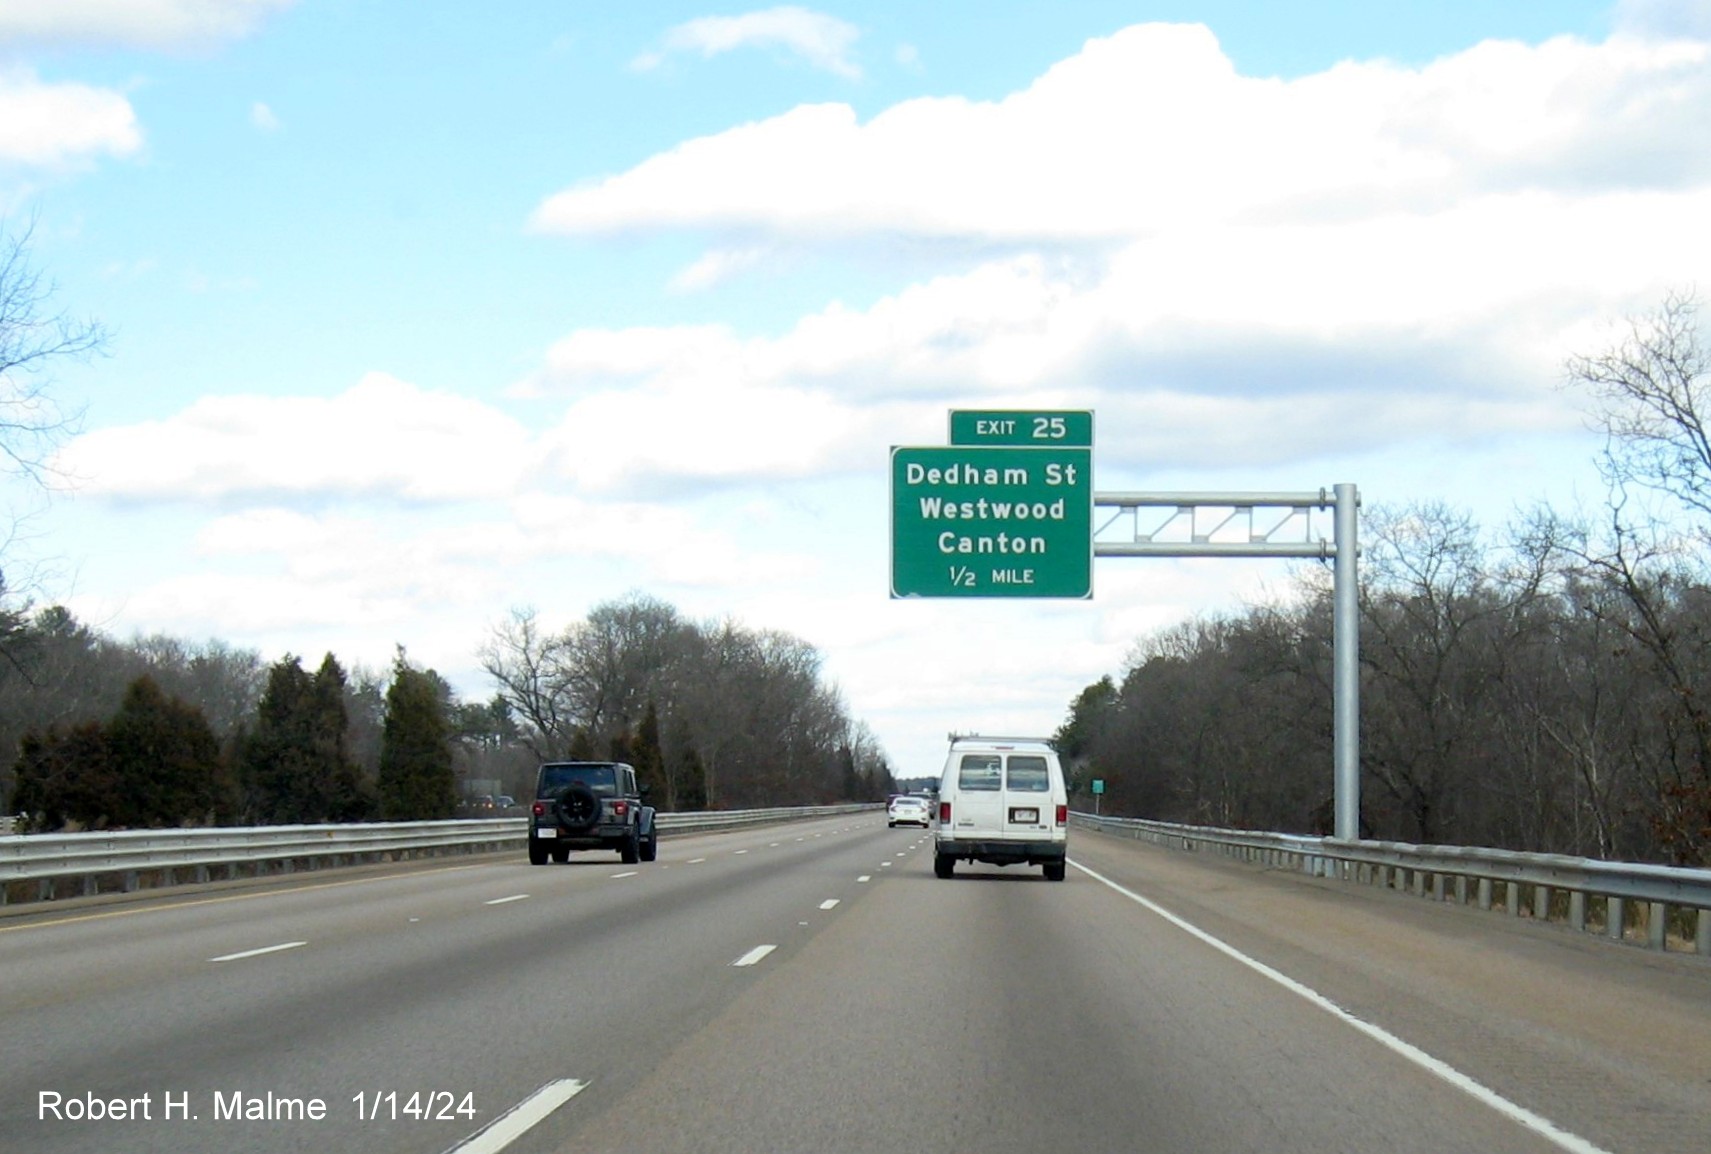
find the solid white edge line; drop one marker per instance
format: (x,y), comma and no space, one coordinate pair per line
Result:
(754,955)
(1515,1112)
(258,953)
(512,1124)
(502,901)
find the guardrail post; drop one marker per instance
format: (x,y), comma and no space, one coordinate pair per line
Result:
(1577,910)
(1542,903)
(1613,917)
(1484,893)
(1512,898)
(1702,939)
(1657,927)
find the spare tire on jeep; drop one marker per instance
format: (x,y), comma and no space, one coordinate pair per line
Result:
(577,809)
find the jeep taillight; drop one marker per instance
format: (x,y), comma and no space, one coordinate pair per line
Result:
(944,813)
(540,809)
(1063,815)
(620,808)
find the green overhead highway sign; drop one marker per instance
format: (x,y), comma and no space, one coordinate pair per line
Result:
(1050,429)
(974,521)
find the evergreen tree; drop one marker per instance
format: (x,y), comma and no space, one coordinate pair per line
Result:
(65,777)
(348,796)
(417,782)
(849,777)
(686,777)
(645,753)
(279,765)
(166,761)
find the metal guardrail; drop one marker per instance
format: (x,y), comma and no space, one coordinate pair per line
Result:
(1621,899)
(34,866)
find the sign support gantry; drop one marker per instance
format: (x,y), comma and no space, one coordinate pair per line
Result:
(1240,524)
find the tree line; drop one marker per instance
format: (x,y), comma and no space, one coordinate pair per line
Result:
(153,733)
(1541,688)
(712,714)
(156,732)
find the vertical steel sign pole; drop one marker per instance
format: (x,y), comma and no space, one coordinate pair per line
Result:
(1345,664)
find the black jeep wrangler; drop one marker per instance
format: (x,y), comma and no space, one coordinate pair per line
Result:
(590,805)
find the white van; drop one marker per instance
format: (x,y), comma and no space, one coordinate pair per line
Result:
(1002,801)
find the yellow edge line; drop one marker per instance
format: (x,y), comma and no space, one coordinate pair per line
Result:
(147,907)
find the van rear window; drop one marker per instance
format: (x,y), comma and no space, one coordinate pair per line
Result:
(978,772)
(1028,774)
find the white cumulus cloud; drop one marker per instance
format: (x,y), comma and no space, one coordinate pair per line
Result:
(821,40)
(382,437)
(136,23)
(49,124)
(1154,127)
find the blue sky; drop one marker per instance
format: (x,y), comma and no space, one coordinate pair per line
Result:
(426,311)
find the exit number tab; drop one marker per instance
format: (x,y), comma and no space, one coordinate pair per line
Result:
(1050,429)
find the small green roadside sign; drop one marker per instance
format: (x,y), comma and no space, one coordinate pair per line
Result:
(976,521)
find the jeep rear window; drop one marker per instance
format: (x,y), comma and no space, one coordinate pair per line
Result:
(599,778)
(1028,774)
(979,772)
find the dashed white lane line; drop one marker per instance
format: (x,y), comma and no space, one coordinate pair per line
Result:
(503,901)
(512,1124)
(1539,1125)
(865,878)
(754,955)
(829,904)
(257,953)
(695,861)
(627,874)
(742,851)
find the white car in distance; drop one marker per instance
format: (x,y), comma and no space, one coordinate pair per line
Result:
(909,811)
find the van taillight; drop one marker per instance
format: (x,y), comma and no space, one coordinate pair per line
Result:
(944,813)
(1063,815)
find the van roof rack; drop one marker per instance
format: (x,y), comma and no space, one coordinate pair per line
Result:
(987,737)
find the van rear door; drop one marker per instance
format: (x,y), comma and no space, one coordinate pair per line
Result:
(1027,796)
(979,806)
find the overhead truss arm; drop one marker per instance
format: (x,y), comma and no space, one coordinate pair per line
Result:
(1212,525)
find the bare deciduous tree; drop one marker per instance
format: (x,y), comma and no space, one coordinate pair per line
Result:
(1652,400)
(32,422)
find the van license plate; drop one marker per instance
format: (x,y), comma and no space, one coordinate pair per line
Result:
(1021,816)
